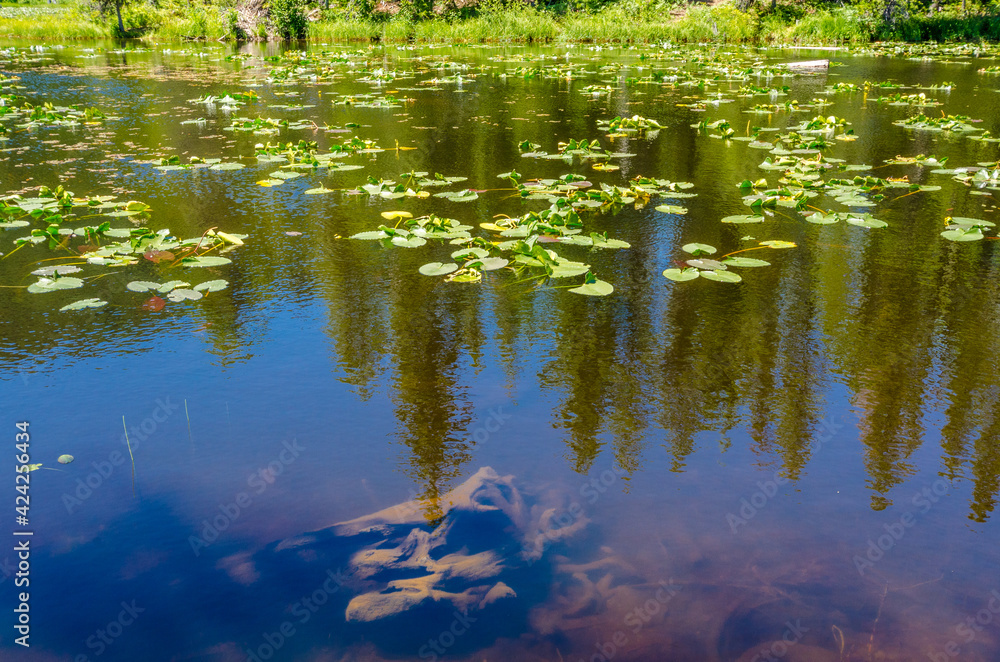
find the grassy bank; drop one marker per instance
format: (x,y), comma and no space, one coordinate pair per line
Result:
(636,21)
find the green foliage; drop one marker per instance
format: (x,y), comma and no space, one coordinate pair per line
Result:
(359,9)
(415,10)
(288,18)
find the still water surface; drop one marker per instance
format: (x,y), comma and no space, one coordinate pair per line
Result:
(801,466)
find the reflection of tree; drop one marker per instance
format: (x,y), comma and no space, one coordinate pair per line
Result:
(970,297)
(431,338)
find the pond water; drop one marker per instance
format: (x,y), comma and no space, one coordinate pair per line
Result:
(801,466)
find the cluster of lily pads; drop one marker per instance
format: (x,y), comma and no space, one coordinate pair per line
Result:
(518,243)
(57,221)
(718,270)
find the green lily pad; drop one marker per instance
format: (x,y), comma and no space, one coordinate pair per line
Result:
(64,459)
(745,262)
(184,295)
(594,287)
(211,286)
(205,261)
(84,303)
(671,209)
(370,235)
(469,253)
(171,285)
(698,249)
(51,285)
(722,276)
(438,268)
(142,286)
(681,275)
(408,242)
(492,263)
(867,222)
(743,218)
(970,234)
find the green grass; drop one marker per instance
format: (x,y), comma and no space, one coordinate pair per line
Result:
(44,23)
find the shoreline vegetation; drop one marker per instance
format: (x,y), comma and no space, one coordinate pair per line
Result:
(789,22)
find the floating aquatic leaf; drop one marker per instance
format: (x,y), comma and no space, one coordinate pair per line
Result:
(466,276)
(671,209)
(707,264)
(966,234)
(438,268)
(491,263)
(681,274)
(317,191)
(85,303)
(962,221)
(698,249)
(154,304)
(594,287)
(370,235)
(64,459)
(819,218)
(61,270)
(142,286)
(157,256)
(867,222)
(722,276)
(171,285)
(745,262)
(51,285)
(233,239)
(184,294)
(396,215)
(408,242)
(212,286)
(744,218)
(205,261)
(469,253)
(227,166)
(777,243)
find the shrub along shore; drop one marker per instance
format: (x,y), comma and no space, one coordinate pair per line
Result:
(492,21)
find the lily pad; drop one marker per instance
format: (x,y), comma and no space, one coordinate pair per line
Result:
(698,249)
(184,295)
(970,234)
(867,222)
(594,287)
(51,285)
(396,215)
(492,263)
(212,286)
(681,275)
(722,276)
(84,303)
(408,242)
(745,262)
(205,261)
(142,286)
(671,209)
(64,459)
(743,218)
(438,268)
